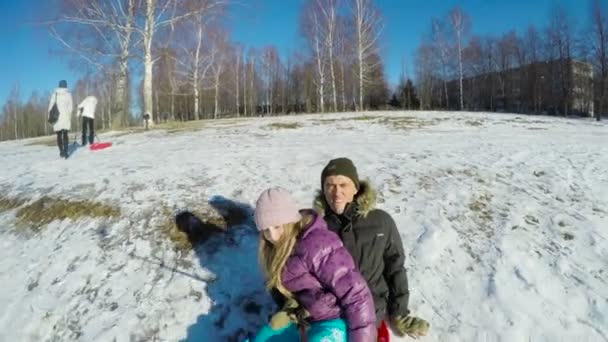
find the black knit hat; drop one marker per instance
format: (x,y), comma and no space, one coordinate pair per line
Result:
(343,167)
(63,84)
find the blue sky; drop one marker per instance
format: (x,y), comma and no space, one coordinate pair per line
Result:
(26,56)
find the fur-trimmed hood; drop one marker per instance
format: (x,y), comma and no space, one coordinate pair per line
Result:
(365,200)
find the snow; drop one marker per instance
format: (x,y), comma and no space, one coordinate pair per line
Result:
(503,219)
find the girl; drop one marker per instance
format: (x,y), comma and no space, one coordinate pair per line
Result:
(307,264)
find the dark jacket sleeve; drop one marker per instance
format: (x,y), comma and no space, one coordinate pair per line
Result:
(336,271)
(395,274)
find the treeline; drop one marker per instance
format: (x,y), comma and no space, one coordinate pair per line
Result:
(559,69)
(176,58)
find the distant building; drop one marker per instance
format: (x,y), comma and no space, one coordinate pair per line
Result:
(550,87)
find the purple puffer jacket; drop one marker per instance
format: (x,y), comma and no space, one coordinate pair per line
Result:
(322,276)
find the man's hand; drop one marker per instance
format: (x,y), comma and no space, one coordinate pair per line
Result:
(409,325)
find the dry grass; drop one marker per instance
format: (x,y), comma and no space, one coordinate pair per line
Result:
(342,120)
(52,140)
(170,126)
(365,118)
(326,121)
(400,123)
(474,123)
(46,209)
(168,230)
(229,122)
(181,242)
(427,182)
(180,126)
(481,208)
(520,120)
(127,132)
(482,216)
(7,203)
(405,122)
(284,125)
(45,141)
(470,173)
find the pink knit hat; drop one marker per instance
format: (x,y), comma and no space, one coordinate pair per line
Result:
(275,207)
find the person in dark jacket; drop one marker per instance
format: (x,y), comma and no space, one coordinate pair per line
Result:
(308,266)
(372,238)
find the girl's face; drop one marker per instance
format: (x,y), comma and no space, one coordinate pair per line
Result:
(273,234)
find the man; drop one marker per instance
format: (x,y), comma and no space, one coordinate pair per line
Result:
(373,240)
(61,102)
(86,108)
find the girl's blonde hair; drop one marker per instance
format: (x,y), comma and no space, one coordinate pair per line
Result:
(272,258)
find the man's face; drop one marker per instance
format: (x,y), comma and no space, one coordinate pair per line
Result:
(339,191)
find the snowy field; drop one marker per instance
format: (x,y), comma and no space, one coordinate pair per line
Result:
(504,219)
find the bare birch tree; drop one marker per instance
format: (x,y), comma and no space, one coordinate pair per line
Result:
(314,34)
(439,35)
(368,25)
(160,14)
(461,24)
(245,71)
(344,57)
(14,101)
(599,54)
(237,82)
(425,68)
(219,48)
(198,61)
(252,75)
(559,46)
(531,44)
(328,10)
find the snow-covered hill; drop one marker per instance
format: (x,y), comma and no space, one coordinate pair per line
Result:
(504,219)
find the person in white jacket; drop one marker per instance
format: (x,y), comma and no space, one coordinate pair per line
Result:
(86,108)
(62,97)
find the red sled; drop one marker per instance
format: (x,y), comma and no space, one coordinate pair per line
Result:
(99,145)
(383,335)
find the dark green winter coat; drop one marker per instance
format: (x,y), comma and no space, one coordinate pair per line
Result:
(372,238)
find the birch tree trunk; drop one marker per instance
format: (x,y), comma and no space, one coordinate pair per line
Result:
(367,27)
